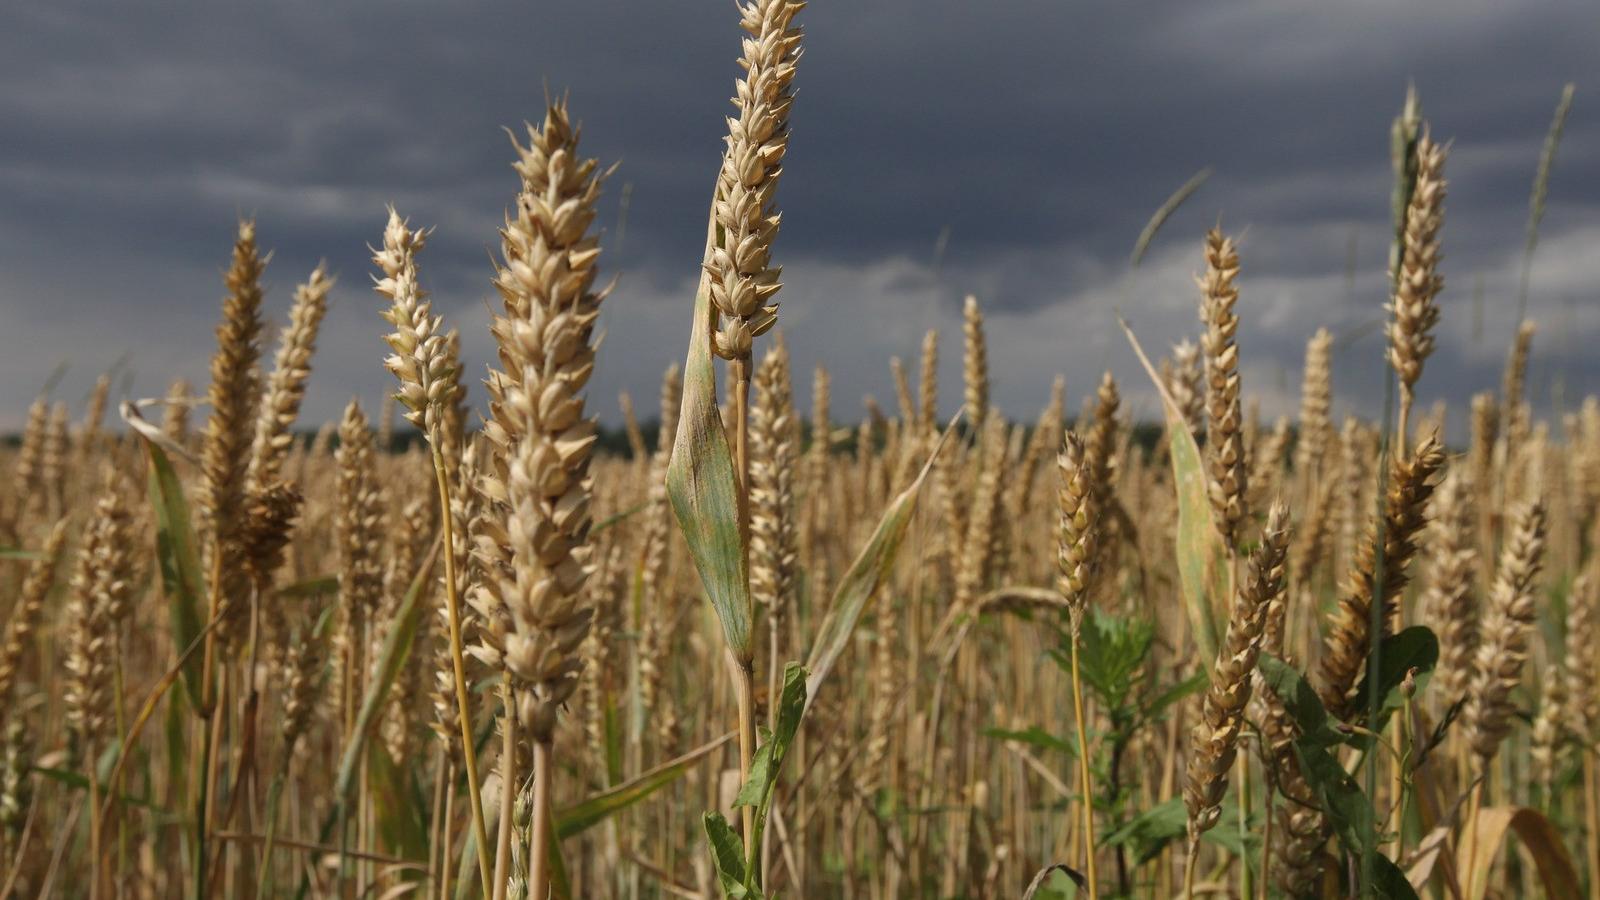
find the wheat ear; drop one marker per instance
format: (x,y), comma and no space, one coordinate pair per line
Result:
(974,362)
(286,387)
(1076,555)
(1214,740)
(1393,540)
(1224,417)
(26,614)
(1418,282)
(230,430)
(1508,622)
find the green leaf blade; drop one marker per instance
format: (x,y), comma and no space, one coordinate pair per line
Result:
(703,489)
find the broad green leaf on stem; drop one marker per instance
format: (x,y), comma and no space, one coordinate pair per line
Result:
(704,488)
(1300,699)
(1539,837)
(1341,799)
(763,771)
(1152,709)
(1111,650)
(580,817)
(1389,881)
(1413,648)
(727,854)
(1204,576)
(768,763)
(178,556)
(866,574)
(1149,832)
(399,819)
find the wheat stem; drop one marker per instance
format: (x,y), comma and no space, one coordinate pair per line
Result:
(539,842)
(1085,776)
(469,754)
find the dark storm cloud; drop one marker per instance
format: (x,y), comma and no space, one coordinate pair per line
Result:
(1039,133)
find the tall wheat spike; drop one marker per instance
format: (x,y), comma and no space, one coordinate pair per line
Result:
(1503,645)
(928,383)
(774,541)
(1450,597)
(1349,636)
(1418,282)
(1214,740)
(743,280)
(1583,657)
(27,470)
(1225,447)
(26,614)
(175,413)
(286,387)
(1316,399)
(975,361)
(230,430)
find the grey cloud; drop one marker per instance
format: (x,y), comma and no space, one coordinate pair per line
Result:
(1040,133)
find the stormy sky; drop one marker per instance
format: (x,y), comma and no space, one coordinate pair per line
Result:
(1036,136)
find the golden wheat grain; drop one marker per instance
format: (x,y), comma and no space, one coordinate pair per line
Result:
(1393,540)
(1224,418)
(1503,644)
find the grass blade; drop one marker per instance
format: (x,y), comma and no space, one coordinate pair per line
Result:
(866,574)
(578,818)
(178,557)
(1202,559)
(1539,837)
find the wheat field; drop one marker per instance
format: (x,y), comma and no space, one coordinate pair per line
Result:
(460,646)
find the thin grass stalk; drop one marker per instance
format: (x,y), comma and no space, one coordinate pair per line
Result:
(1536,199)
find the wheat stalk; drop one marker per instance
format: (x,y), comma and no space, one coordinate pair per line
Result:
(743,280)
(1393,540)
(1583,658)
(1508,621)
(25,616)
(1213,742)
(286,387)
(541,437)
(974,362)
(1224,442)
(175,412)
(1076,554)
(1316,399)
(1449,599)
(928,384)
(26,471)
(1418,281)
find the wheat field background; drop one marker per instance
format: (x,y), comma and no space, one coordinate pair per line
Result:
(739,642)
